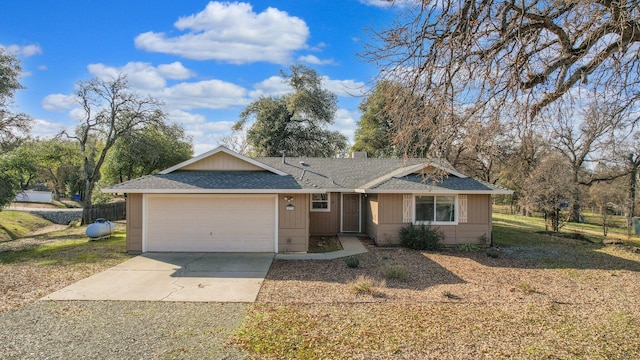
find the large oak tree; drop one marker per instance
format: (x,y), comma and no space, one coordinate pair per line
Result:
(502,56)
(296,122)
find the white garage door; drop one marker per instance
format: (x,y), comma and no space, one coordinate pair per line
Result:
(210,223)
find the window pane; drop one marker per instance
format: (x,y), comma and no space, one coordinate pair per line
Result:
(319,205)
(319,197)
(445,208)
(320,201)
(424,208)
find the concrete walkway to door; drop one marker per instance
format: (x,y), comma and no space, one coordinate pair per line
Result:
(197,277)
(350,246)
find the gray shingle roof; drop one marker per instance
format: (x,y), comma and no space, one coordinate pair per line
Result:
(308,174)
(211,180)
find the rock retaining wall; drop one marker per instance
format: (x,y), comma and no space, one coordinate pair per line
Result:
(60,217)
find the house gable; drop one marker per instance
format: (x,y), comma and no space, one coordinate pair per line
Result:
(221,159)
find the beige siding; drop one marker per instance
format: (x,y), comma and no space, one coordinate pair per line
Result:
(391,208)
(371,216)
(222,161)
(326,223)
(134,223)
(388,207)
(293,225)
(478,207)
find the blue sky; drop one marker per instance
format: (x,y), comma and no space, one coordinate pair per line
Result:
(205,60)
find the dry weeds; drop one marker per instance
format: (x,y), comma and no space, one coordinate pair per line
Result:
(565,301)
(33,267)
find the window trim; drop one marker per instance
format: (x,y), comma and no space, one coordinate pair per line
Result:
(422,222)
(328,201)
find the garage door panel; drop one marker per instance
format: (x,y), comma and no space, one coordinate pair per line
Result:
(211,223)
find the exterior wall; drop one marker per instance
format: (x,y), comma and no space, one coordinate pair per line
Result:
(390,219)
(325,223)
(385,231)
(222,161)
(134,223)
(371,215)
(293,225)
(34,196)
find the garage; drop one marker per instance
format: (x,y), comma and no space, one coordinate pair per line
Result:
(210,223)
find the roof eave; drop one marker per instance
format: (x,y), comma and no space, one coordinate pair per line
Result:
(215,191)
(438,191)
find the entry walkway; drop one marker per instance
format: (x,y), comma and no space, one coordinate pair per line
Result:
(350,246)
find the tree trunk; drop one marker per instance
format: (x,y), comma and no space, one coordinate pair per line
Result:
(87,204)
(633,176)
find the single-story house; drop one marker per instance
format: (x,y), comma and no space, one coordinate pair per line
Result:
(222,201)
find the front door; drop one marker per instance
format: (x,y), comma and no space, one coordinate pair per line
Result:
(351,212)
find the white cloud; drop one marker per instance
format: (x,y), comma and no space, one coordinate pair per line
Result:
(273,86)
(386,4)
(312,59)
(208,94)
(58,102)
(141,75)
(377,3)
(175,71)
(46,129)
(26,51)
(183,117)
(345,88)
(345,123)
(232,32)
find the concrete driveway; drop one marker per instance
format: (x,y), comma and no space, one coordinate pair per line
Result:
(198,277)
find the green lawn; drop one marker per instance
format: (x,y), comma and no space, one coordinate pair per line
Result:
(73,247)
(521,230)
(16,224)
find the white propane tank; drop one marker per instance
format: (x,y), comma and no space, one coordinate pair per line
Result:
(100,229)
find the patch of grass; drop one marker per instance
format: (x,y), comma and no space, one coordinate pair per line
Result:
(395,272)
(525,288)
(16,224)
(410,331)
(68,252)
(323,244)
(516,230)
(365,285)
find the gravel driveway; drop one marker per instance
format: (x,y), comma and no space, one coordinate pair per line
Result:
(120,330)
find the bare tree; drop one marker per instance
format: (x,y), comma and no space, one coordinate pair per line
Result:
(489,56)
(11,124)
(109,111)
(584,138)
(609,198)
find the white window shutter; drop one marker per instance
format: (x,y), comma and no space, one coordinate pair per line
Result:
(462,208)
(407,208)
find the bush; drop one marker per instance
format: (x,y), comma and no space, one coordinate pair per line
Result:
(422,237)
(395,272)
(352,262)
(365,285)
(467,247)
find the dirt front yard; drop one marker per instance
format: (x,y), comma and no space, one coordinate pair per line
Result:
(564,300)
